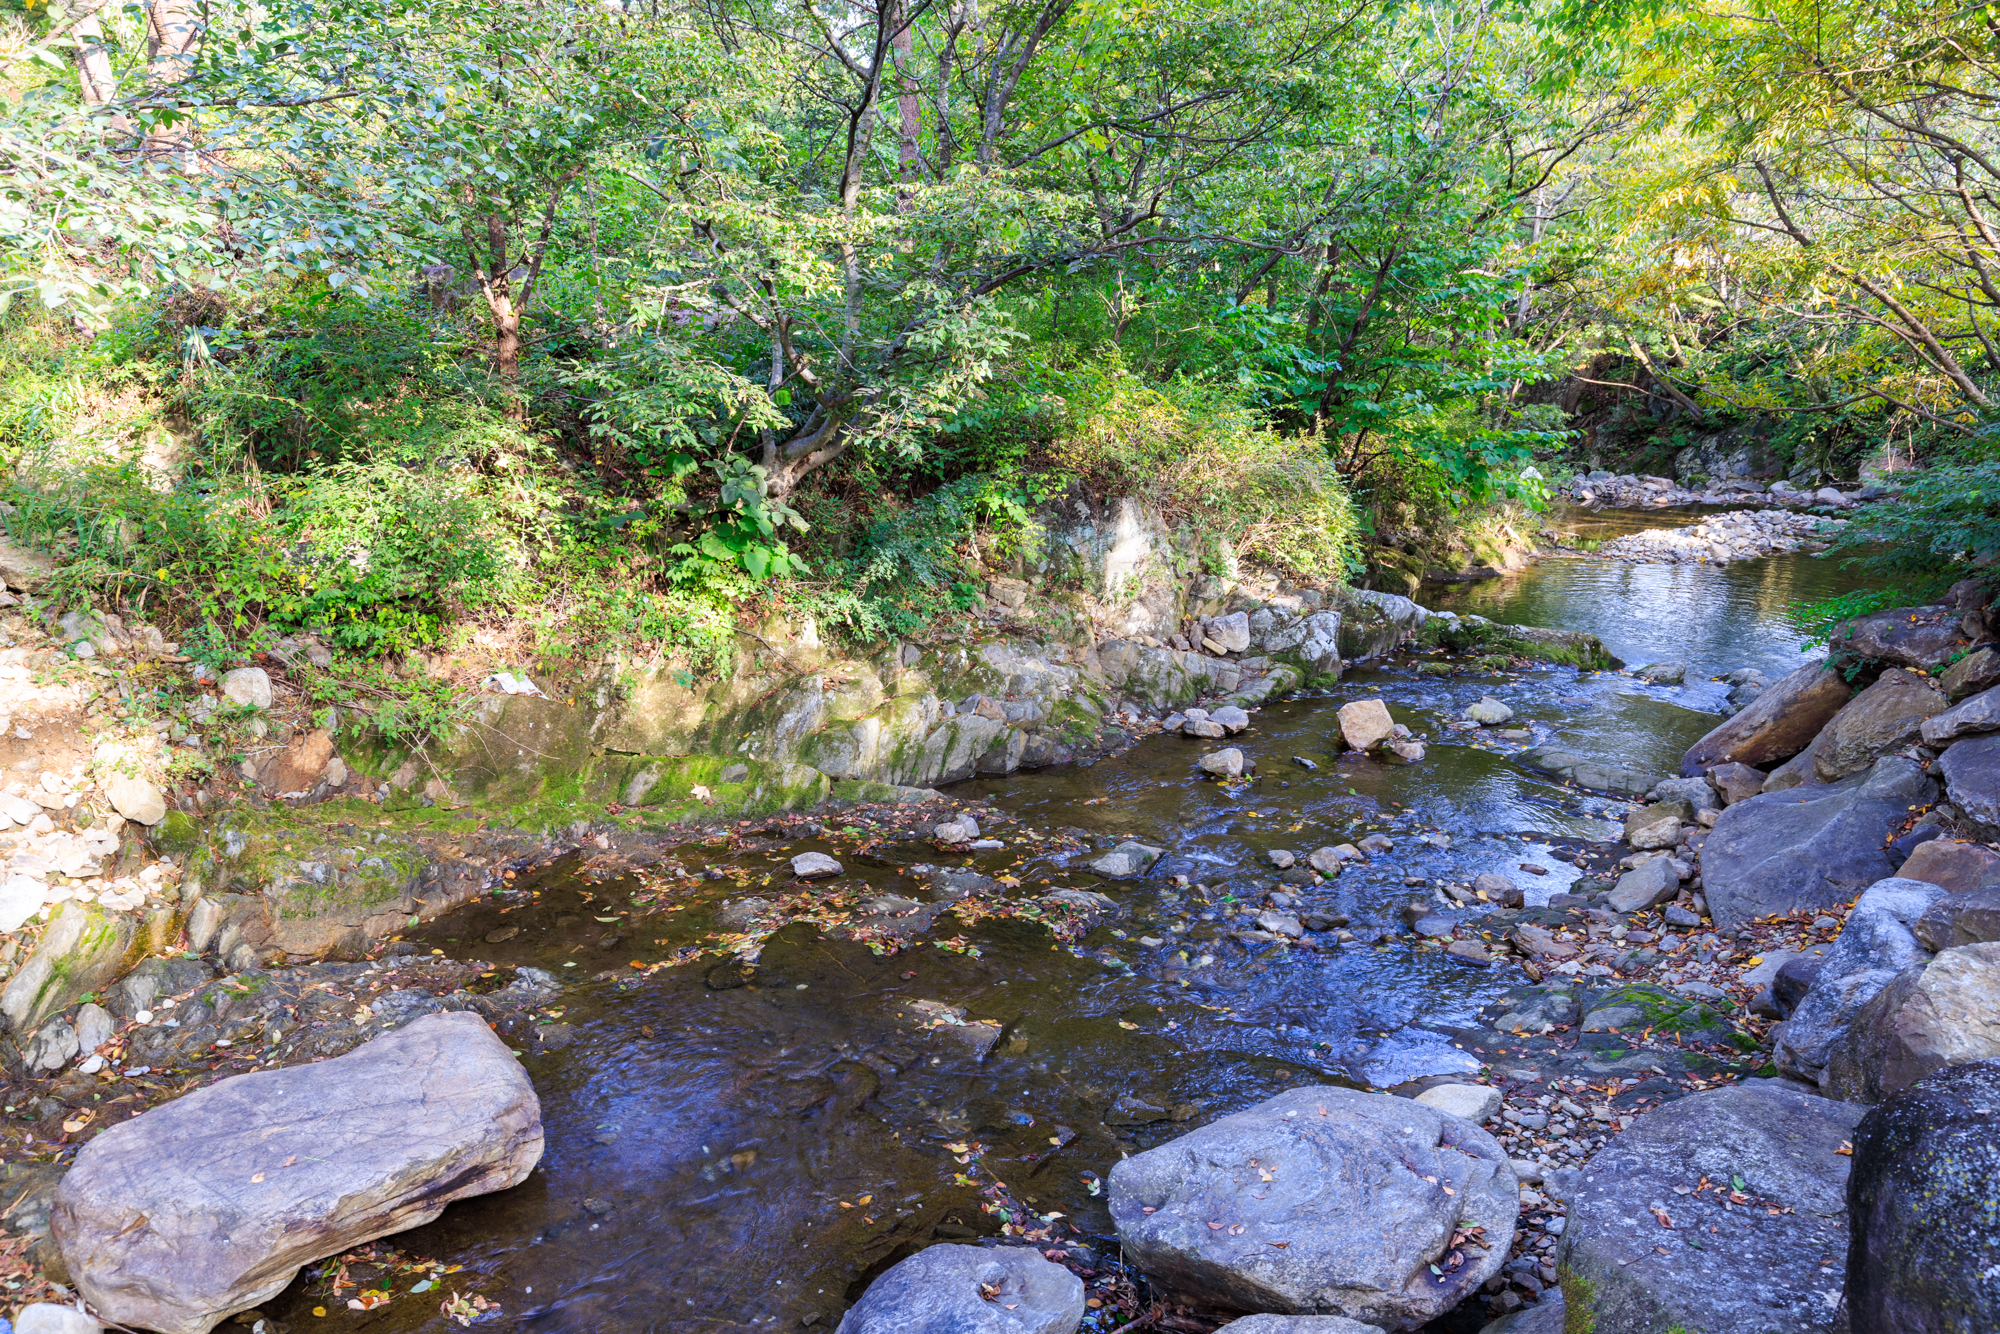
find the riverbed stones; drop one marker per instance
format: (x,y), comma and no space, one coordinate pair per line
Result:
(1971,770)
(1662,673)
(247,687)
(1227,763)
(1781,722)
(1364,1190)
(1808,847)
(1648,885)
(1489,712)
(1942,1011)
(1477,1103)
(1232,719)
(1127,860)
(1497,889)
(1365,724)
(209,1204)
(1887,716)
(1656,826)
(815,866)
(1923,1255)
(1735,782)
(1328,861)
(1626,1254)
(954,1289)
(1874,945)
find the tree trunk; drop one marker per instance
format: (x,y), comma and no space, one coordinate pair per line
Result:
(96,80)
(173,43)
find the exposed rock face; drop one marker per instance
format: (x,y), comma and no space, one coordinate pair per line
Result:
(210,1204)
(1356,1191)
(1923,1256)
(1311,644)
(1919,637)
(1944,1011)
(1874,946)
(1886,716)
(80,952)
(1970,717)
(1365,724)
(1971,770)
(953,1289)
(1779,724)
(1756,1270)
(1809,847)
(1957,867)
(1373,623)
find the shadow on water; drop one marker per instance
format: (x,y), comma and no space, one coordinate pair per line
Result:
(742,1149)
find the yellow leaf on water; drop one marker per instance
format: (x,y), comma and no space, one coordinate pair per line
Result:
(1123,1024)
(257,1178)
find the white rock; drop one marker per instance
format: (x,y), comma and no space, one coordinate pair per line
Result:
(247,686)
(136,799)
(815,866)
(1489,712)
(47,1318)
(94,1027)
(20,898)
(1476,1103)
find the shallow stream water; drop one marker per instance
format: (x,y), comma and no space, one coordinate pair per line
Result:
(737,1148)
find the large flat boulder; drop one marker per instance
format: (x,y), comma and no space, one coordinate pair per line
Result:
(1876,944)
(1779,724)
(210,1204)
(1923,1256)
(1808,847)
(1971,770)
(1322,1201)
(953,1289)
(1886,716)
(1655,1240)
(1942,1011)
(1919,637)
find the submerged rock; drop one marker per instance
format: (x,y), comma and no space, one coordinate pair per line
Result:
(953,1289)
(1322,1201)
(1644,1250)
(1923,1256)
(1125,861)
(210,1204)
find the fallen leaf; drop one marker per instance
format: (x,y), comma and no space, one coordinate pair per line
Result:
(255,1179)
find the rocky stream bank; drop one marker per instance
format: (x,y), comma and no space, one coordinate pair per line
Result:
(1781,968)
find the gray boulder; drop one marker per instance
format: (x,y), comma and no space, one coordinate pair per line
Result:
(953,1289)
(815,866)
(1971,772)
(1228,763)
(1966,918)
(1637,1254)
(1808,847)
(1779,724)
(1544,1317)
(210,1204)
(1886,716)
(1322,1201)
(249,687)
(1919,637)
(1230,633)
(1923,1256)
(1125,861)
(1489,712)
(1651,884)
(1373,623)
(1873,947)
(1971,717)
(1943,1011)
(1976,671)
(1311,644)
(1736,782)
(1662,673)
(1699,793)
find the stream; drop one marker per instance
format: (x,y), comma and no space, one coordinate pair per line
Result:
(744,1148)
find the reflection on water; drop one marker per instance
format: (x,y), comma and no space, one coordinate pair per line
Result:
(744,1157)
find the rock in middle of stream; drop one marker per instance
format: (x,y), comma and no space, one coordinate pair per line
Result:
(1322,1200)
